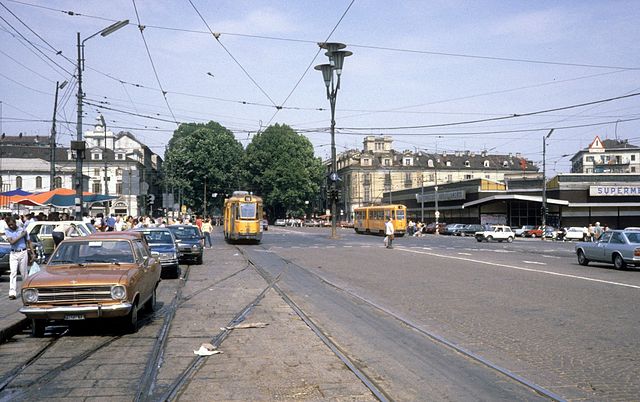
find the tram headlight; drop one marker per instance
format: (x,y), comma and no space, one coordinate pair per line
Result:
(30,295)
(118,292)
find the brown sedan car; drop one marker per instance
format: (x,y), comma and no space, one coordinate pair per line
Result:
(104,275)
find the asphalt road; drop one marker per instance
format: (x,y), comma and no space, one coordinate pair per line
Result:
(525,307)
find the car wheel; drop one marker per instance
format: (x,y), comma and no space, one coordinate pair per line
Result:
(582,260)
(151,303)
(509,239)
(37,327)
(618,262)
(489,238)
(479,239)
(129,323)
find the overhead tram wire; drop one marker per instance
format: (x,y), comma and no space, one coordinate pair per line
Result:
(364,46)
(311,62)
(511,116)
(155,72)
(217,38)
(27,68)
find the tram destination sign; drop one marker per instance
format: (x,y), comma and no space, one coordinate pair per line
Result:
(614,191)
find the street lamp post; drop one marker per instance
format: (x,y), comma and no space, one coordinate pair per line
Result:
(332,83)
(79,146)
(544,181)
(52,140)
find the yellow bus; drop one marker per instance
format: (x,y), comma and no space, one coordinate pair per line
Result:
(372,219)
(243,217)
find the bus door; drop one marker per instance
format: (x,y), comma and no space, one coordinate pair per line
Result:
(232,221)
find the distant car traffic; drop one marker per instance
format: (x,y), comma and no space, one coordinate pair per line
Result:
(163,245)
(496,232)
(280,222)
(576,233)
(190,243)
(521,230)
(431,228)
(535,232)
(104,275)
(617,247)
(453,229)
(44,231)
(470,230)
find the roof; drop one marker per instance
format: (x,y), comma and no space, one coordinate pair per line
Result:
(511,197)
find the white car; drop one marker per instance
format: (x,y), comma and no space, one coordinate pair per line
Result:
(496,232)
(576,233)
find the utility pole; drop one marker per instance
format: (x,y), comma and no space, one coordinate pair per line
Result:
(52,139)
(204,207)
(544,181)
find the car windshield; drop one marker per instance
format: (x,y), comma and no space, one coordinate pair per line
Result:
(633,237)
(158,237)
(100,251)
(185,232)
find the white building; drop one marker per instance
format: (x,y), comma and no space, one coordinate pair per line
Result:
(608,156)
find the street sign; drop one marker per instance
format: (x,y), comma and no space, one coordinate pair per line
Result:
(437,214)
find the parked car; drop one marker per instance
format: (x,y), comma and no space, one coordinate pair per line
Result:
(163,245)
(5,250)
(431,228)
(44,231)
(496,232)
(190,243)
(103,275)
(265,224)
(521,230)
(535,232)
(470,230)
(617,247)
(453,229)
(576,233)
(280,222)
(551,233)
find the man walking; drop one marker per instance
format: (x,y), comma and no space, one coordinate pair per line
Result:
(388,231)
(19,256)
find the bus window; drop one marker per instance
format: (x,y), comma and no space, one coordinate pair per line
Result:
(247,210)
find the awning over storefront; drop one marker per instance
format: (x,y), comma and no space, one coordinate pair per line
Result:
(60,198)
(514,197)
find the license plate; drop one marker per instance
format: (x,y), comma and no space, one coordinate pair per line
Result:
(74,317)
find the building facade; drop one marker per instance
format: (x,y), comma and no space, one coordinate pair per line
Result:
(367,174)
(605,157)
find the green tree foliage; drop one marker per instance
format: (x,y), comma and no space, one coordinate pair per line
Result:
(203,152)
(281,168)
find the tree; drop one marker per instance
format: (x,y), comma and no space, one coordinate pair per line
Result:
(203,153)
(281,168)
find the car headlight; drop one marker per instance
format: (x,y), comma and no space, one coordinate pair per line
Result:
(195,247)
(175,255)
(30,295)
(118,292)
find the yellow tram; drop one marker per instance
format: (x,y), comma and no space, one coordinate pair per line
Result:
(243,217)
(372,219)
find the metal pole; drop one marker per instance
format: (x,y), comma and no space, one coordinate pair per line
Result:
(52,141)
(204,208)
(334,164)
(390,189)
(544,182)
(437,212)
(79,153)
(106,178)
(422,197)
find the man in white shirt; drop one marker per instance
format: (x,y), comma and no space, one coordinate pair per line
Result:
(388,231)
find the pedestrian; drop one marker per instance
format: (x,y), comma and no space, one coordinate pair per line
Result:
(19,256)
(388,231)
(597,231)
(206,230)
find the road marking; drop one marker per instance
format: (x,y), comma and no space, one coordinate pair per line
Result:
(550,256)
(465,253)
(523,268)
(347,246)
(534,262)
(503,251)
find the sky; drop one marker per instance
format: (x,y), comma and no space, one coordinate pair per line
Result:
(439,75)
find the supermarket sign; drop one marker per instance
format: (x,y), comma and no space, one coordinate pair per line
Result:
(614,191)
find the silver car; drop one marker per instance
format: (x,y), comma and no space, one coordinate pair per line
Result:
(617,247)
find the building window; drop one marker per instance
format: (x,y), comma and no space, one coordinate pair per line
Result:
(467,164)
(96,157)
(468,176)
(118,172)
(387,162)
(486,163)
(430,163)
(487,176)
(38,182)
(120,156)
(57,182)
(96,187)
(119,187)
(407,162)
(633,169)
(449,178)
(18,182)
(96,172)
(448,163)
(589,159)
(505,164)
(633,158)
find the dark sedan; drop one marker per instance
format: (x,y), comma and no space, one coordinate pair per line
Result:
(190,243)
(162,242)
(470,230)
